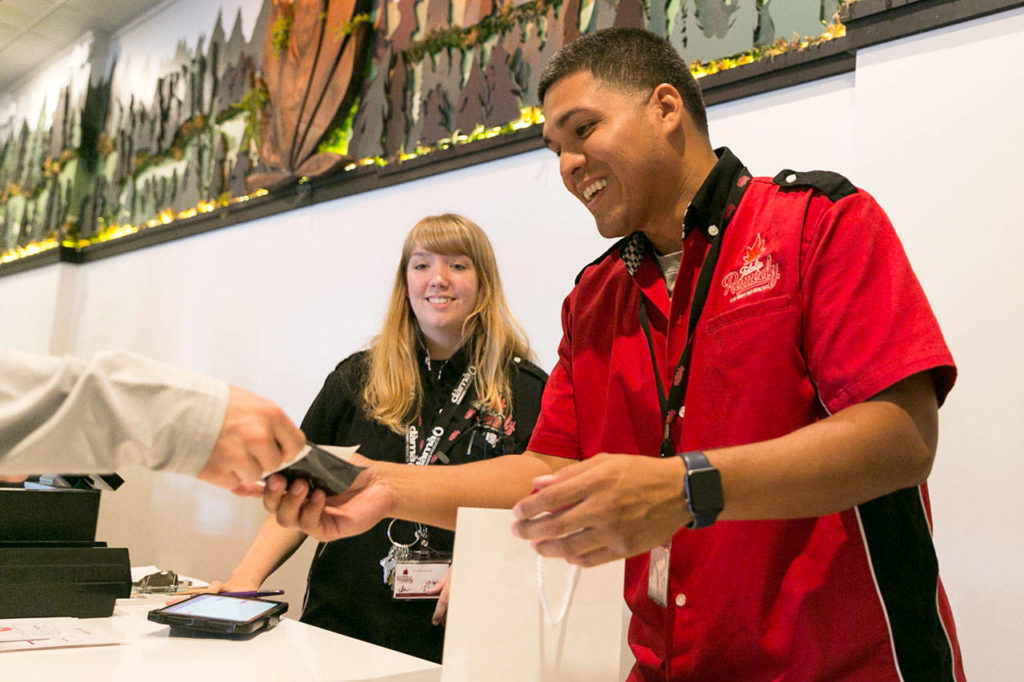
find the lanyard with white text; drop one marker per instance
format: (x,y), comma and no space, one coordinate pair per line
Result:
(422,451)
(672,405)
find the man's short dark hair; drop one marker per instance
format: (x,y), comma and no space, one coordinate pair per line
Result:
(630,58)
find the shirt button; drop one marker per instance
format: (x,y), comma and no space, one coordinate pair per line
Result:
(713,230)
(791,178)
(680,600)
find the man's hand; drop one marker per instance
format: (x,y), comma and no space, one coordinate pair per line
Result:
(605,508)
(256,437)
(355,511)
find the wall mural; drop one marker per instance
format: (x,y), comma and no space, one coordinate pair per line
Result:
(324,87)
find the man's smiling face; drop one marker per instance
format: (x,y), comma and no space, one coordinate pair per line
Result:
(609,148)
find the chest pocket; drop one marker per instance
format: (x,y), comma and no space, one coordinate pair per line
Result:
(750,312)
(757,281)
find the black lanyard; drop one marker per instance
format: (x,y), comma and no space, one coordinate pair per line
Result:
(421,448)
(676,398)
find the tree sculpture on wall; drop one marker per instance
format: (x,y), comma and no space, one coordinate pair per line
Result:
(371,82)
(314,58)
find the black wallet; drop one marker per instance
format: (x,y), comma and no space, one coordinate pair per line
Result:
(321,469)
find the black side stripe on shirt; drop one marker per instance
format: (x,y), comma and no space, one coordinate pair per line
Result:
(899,545)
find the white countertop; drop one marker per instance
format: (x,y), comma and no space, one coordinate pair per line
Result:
(289,651)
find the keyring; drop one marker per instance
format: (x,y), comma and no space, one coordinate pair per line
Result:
(416,537)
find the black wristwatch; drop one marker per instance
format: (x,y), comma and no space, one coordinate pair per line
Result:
(703,489)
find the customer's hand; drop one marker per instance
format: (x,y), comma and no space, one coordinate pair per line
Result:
(256,437)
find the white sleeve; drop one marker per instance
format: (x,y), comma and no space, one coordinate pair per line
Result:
(68,415)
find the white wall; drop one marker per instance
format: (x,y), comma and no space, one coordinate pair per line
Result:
(931,125)
(948,170)
(28,307)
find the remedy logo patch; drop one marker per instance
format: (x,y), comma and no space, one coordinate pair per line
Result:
(758,272)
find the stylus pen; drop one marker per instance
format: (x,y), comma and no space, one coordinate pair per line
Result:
(253,593)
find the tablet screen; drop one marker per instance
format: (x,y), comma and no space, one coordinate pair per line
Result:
(221,608)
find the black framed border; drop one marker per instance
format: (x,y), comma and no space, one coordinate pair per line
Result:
(868,23)
(36,260)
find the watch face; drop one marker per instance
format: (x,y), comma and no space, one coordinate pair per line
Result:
(704,491)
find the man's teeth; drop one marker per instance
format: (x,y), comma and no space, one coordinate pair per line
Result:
(590,190)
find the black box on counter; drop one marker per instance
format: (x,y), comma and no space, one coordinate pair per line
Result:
(50,562)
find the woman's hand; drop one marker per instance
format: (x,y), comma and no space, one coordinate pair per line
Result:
(232,584)
(443,589)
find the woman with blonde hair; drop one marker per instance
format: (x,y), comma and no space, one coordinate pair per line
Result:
(448,380)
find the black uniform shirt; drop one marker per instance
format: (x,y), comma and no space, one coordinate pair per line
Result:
(346,592)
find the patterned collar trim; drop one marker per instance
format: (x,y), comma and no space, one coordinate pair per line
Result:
(632,251)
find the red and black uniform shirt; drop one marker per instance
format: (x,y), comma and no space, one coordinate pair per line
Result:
(813,307)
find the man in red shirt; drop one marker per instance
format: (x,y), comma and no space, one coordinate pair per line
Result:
(769,332)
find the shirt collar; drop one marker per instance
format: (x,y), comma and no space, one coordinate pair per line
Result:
(709,209)
(445,372)
(632,251)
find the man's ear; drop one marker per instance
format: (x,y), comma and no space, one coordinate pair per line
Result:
(668,104)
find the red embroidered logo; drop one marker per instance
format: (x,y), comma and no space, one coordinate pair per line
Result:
(755,275)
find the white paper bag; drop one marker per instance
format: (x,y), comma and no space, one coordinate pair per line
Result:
(497,629)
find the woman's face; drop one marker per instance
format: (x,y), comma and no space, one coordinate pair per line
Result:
(442,293)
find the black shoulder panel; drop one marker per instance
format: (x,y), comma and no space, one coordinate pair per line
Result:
(612,248)
(528,367)
(832,185)
(354,365)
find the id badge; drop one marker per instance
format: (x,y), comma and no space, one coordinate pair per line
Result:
(415,578)
(657,574)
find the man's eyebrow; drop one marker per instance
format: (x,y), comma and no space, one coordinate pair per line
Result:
(561,121)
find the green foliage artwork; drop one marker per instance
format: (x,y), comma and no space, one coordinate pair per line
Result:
(325,87)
